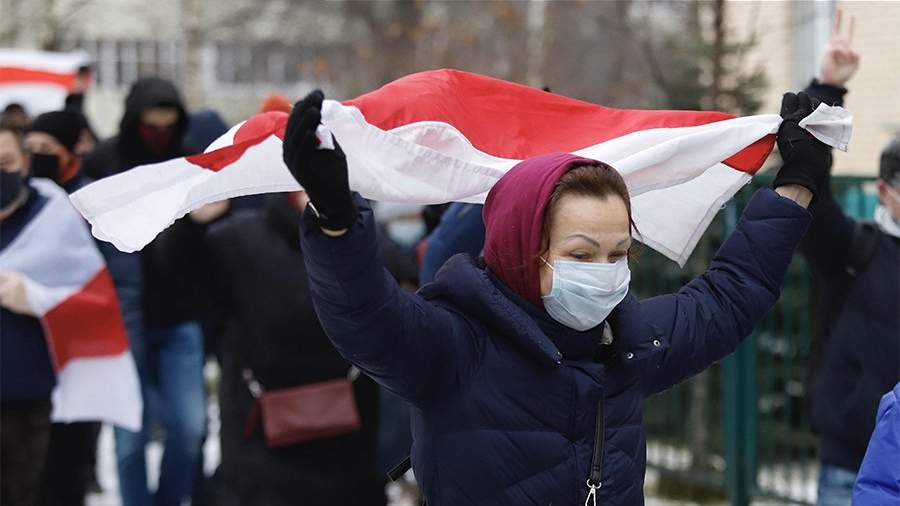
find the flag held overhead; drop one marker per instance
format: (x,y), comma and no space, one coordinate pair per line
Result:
(446,135)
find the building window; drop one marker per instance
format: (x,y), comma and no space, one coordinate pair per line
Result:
(119,63)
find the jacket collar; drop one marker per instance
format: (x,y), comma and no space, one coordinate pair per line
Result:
(467,285)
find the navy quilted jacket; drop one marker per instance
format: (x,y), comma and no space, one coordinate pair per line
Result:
(505,400)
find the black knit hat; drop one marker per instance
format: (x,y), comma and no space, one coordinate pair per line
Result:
(64,126)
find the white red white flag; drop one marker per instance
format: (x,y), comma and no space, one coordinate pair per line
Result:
(446,135)
(38,80)
(71,292)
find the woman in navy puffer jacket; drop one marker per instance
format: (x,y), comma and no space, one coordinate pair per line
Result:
(525,388)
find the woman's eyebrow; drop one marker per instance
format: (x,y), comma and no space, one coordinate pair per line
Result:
(586,238)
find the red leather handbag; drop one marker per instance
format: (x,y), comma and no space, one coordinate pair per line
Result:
(303,413)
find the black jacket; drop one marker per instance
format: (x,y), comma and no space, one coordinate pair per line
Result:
(257,273)
(856,347)
(168,297)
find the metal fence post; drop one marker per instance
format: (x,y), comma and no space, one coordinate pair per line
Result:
(740,424)
(739,408)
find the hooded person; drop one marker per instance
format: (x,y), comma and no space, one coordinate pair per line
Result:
(527,368)
(151,130)
(168,347)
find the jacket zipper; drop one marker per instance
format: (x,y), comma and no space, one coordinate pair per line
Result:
(593,482)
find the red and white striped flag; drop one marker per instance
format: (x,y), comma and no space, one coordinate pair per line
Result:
(38,80)
(446,135)
(71,292)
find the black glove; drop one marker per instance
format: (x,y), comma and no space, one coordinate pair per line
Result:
(321,172)
(806,160)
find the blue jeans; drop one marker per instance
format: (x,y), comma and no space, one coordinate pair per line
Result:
(170,363)
(835,486)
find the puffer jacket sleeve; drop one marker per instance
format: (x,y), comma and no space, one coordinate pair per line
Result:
(878,481)
(414,348)
(709,317)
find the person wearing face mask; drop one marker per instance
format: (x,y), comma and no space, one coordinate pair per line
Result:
(26,372)
(168,348)
(527,368)
(152,129)
(53,142)
(855,266)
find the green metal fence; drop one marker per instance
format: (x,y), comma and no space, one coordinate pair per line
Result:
(740,431)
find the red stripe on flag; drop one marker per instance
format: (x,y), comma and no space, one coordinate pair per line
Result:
(21,75)
(87,324)
(252,132)
(751,158)
(518,122)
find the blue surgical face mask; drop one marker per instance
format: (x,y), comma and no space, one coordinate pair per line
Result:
(406,232)
(584,293)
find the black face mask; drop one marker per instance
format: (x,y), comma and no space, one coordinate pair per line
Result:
(11,186)
(43,165)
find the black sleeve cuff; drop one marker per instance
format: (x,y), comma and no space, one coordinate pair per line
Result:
(827,93)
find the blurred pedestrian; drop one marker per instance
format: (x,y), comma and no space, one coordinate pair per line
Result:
(461,230)
(54,142)
(169,347)
(879,475)
(26,372)
(273,344)
(203,128)
(275,102)
(60,317)
(14,116)
(528,367)
(856,268)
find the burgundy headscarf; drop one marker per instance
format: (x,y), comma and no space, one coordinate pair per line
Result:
(513,216)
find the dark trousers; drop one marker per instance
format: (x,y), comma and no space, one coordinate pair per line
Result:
(24,438)
(70,462)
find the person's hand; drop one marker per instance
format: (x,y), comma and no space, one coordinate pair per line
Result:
(210,212)
(806,160)
(12,293)
(840,61)
(321,172)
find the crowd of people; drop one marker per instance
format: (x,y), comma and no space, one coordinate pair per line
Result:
(516,374)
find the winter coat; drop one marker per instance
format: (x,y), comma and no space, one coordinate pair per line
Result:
(878,481)
(270,327)
(168,299)
(26,372)
(505,399)
(855,269)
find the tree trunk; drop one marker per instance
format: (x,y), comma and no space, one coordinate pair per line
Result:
(193,82)
(534,60)
(718,54)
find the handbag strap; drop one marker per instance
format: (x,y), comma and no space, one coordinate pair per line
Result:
(256,389)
